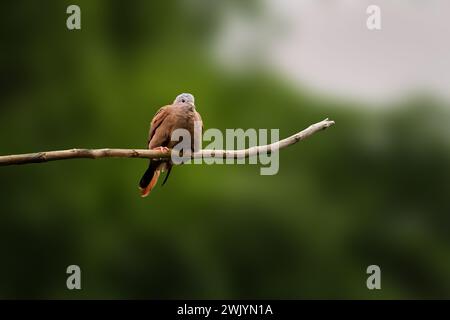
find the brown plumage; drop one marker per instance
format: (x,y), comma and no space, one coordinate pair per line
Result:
(179,115)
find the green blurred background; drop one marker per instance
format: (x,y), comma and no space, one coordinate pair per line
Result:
(373,189)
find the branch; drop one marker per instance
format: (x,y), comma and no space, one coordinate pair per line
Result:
(156,154)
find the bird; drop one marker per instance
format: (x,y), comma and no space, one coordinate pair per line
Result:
(181,114)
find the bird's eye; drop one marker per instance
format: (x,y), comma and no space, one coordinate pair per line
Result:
(182,100)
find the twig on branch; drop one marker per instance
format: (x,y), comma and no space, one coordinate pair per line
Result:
(156,154)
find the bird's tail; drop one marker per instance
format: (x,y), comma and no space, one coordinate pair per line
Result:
(150,177)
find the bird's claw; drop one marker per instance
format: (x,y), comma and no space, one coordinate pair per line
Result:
(162,149)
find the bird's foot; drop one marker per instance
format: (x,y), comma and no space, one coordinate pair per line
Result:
(162,149)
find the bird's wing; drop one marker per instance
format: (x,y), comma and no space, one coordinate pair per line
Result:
(158,137)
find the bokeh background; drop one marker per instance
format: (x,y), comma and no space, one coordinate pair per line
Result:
(373,189)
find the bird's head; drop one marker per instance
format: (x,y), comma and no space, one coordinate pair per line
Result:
(185,98)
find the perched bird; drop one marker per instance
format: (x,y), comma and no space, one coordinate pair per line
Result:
(181,114)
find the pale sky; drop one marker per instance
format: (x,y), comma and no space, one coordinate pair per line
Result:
(325,45)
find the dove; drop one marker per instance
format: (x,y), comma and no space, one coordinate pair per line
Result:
(181,114)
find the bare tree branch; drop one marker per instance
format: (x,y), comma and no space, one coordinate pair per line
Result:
(156,154)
